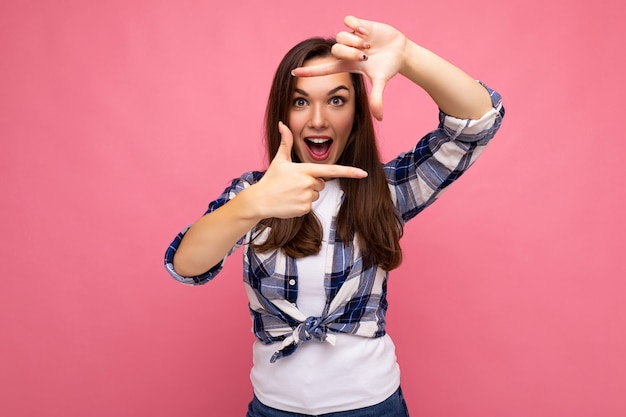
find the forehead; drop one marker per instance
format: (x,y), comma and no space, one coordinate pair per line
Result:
(323,83)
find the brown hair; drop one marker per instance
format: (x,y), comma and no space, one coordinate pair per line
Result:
(367,210)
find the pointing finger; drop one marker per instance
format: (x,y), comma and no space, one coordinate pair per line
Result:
(333,171)
(326,68)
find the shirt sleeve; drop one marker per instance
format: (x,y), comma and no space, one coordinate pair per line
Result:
(229,193)
(418,177)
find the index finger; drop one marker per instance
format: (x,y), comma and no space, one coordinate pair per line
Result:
(326,68)
(333,171)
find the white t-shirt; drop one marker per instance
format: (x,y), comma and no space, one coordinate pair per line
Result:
(321,378)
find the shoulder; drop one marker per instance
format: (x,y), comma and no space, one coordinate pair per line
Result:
(252,177)
(235,187)
(244,180)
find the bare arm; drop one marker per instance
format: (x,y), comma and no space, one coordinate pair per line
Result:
(455,92)
(286,190)
(210,238)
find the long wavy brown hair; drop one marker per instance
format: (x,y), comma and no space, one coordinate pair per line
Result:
(367,211)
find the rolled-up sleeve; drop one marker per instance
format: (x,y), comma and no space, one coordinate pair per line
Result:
(418,177)
(229,193)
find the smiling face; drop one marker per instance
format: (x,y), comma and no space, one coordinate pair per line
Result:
(321,115)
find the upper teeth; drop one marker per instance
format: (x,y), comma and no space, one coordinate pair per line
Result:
(318,140)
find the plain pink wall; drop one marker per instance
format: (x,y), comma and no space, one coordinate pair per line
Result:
(120,121)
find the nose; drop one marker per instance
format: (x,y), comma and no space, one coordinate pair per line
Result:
(318,118)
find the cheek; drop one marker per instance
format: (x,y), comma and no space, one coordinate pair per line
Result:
(344,125)
(295,121)
(295,124)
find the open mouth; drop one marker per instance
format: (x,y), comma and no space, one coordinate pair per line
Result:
(319,147)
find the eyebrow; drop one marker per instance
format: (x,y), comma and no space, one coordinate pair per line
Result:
(330,93)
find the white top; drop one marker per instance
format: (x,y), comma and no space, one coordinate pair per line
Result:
(321,378)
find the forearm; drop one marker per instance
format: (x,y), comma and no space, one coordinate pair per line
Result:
(209,239)
(455,92)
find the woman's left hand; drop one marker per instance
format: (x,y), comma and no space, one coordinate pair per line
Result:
(373,49)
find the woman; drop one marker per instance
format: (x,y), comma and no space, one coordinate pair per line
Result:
(321,226)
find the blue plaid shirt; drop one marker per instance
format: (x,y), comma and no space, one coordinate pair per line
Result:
(355,296)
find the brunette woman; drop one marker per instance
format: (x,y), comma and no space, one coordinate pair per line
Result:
(321,226)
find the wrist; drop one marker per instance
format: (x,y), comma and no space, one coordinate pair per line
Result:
(249,205)
(414,61)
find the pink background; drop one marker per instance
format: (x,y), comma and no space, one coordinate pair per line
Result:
(121,120)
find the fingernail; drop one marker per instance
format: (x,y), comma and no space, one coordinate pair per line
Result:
(366,45)
(293,74)
(363,30)
(363,57)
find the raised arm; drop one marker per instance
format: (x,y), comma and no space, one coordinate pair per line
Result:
(380,51)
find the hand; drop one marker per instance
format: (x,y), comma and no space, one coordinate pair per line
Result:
(373,49)
(288,189)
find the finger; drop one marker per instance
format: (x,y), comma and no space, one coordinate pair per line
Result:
(376,98)
(319,185)
(316,196)
(323,69)
(348,53)
(352,39)
(333,171)
(317,189)
(360,26)
(286,143)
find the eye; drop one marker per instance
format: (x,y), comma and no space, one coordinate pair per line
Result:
(299,102)
(337,101)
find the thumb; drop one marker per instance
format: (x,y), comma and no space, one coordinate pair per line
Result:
(376,98)
(286,143)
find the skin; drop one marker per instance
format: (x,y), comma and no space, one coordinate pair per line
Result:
(288,189)
(380,52)
(322,110)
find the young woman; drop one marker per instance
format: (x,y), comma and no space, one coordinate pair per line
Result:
(321,226)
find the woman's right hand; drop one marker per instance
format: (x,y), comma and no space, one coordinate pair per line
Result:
(288,189)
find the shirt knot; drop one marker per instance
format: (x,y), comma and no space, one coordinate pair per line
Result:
(310,328)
